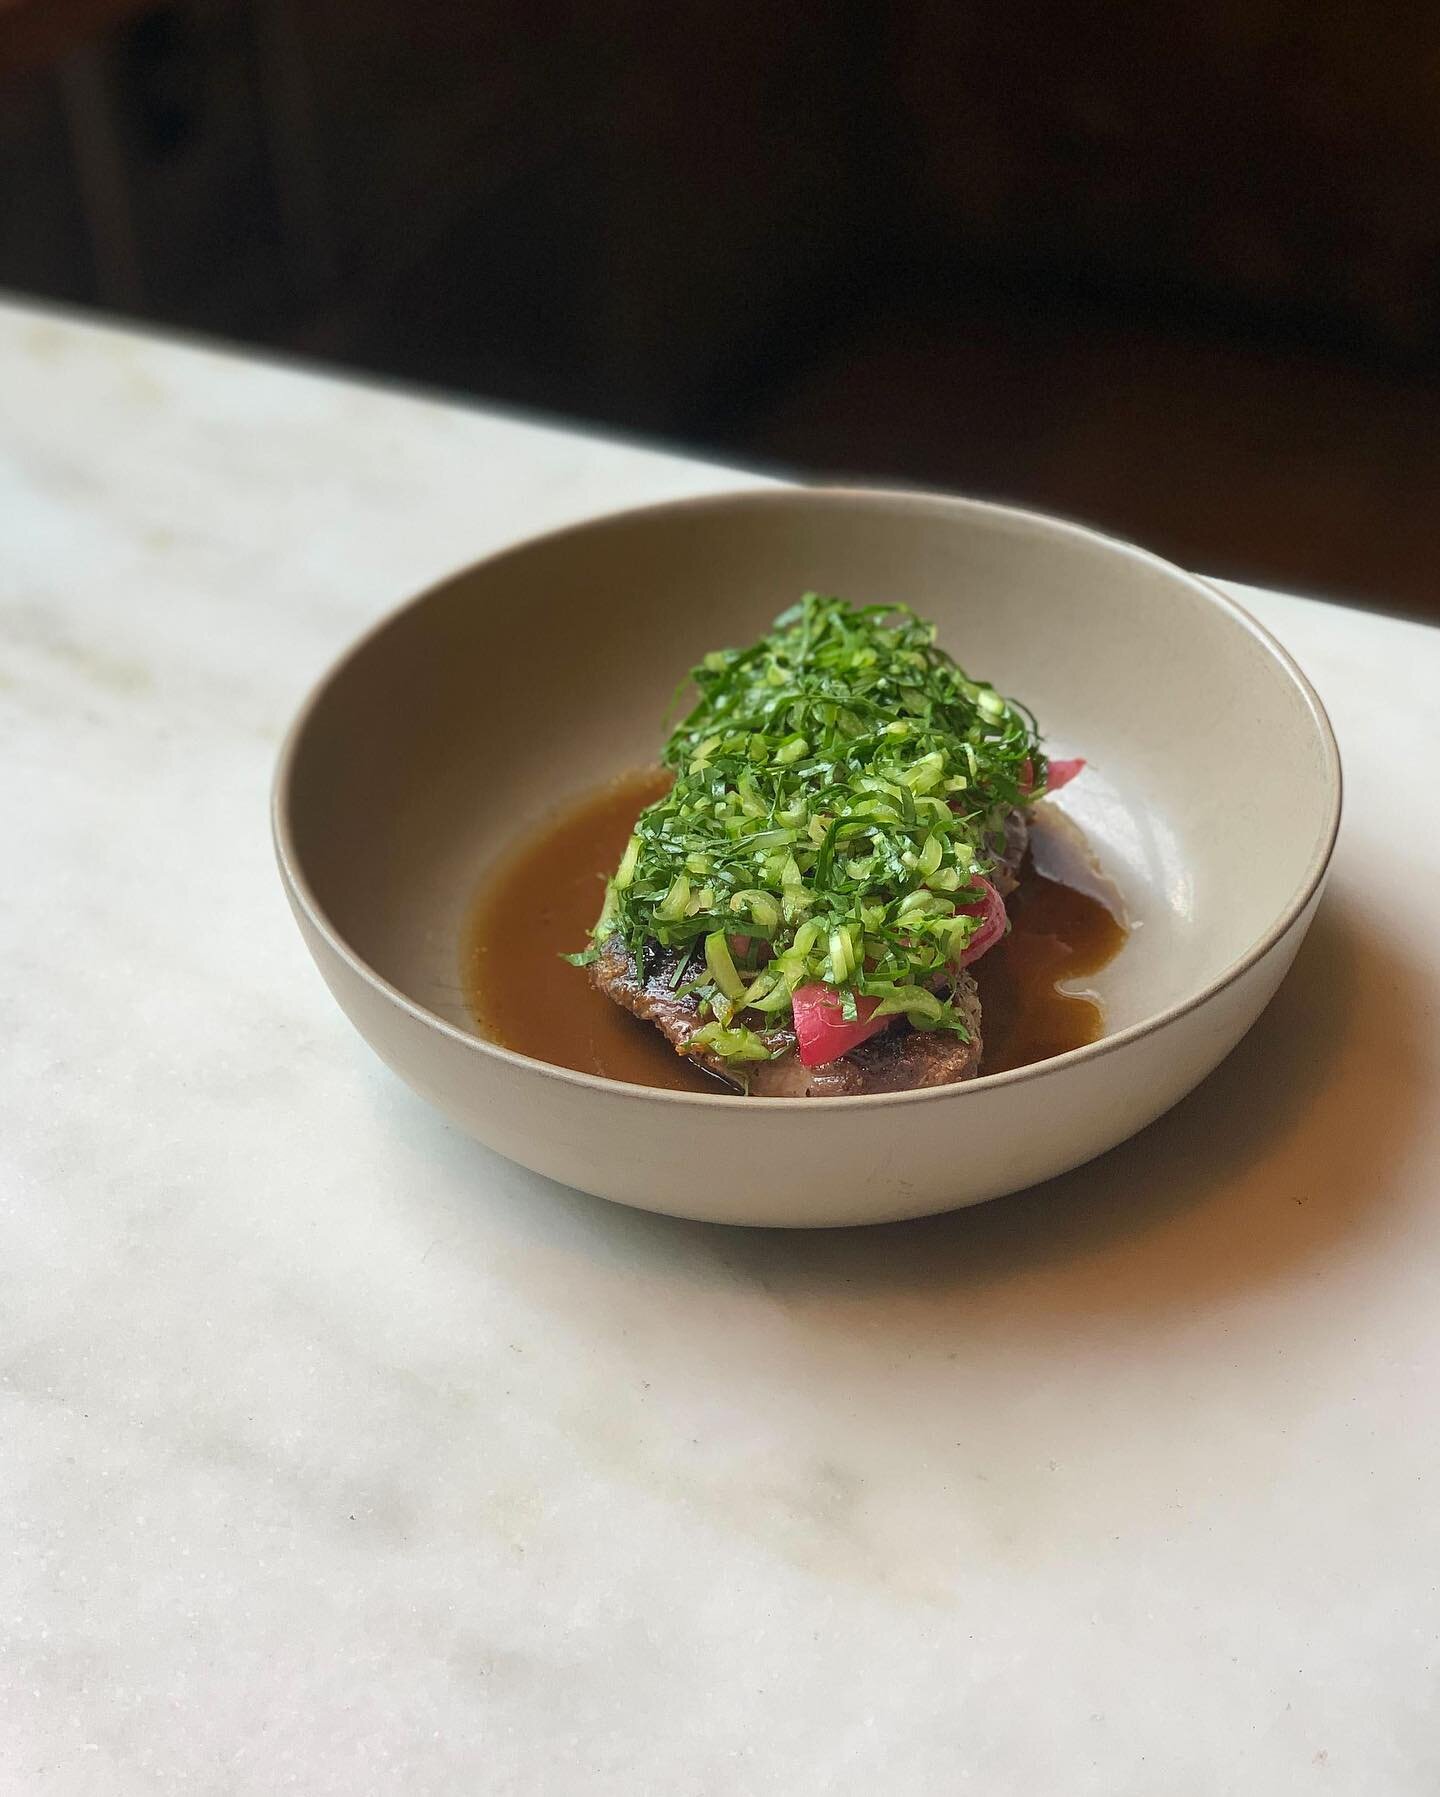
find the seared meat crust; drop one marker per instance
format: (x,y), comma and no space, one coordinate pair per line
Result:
(899,1059)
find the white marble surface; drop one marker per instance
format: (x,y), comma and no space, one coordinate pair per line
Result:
(341,1457)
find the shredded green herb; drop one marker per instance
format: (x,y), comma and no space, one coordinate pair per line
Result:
(838,787)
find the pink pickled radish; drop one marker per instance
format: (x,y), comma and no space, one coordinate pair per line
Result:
(1061,773)
(821,1032)
(993,921)
(1058,774)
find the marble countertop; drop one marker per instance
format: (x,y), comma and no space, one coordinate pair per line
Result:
(341,1456)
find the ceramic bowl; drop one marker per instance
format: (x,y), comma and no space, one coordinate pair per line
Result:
(1212,798)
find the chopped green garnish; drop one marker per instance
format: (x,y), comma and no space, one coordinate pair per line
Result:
(837,789)
(722,967)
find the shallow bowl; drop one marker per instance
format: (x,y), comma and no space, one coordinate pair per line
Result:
(452,729)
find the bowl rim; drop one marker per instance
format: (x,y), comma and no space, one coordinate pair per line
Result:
(1012,517)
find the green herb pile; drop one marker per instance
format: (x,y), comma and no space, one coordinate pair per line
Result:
(837,788)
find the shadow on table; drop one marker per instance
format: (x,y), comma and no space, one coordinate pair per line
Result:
(1282,1152)
(834,1393)
(1280,1155)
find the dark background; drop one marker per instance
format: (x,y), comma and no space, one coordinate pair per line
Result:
(1175,270)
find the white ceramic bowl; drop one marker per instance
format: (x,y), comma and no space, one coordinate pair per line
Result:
(1212,797)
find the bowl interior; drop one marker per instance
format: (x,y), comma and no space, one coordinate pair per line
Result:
(523,683)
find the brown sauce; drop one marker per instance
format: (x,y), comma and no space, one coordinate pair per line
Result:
(1057,933)
(540,903)
(539,906)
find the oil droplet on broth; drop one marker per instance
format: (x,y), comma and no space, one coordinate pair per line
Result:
(540,903)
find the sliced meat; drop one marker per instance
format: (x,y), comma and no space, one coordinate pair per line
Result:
(653,998)
(1009,854)
(898,1060)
